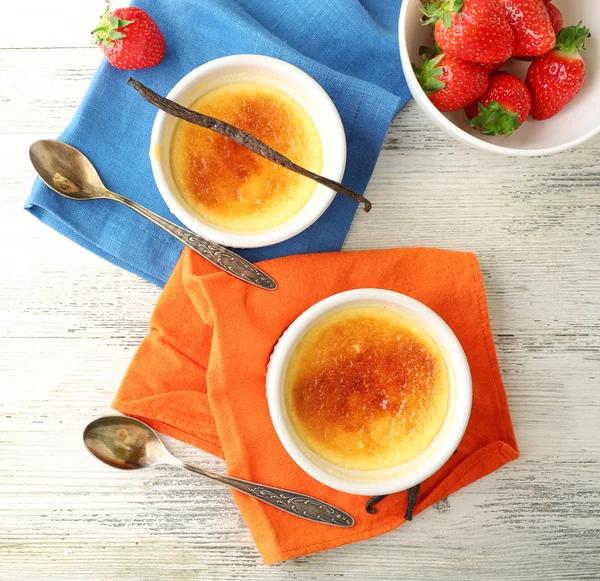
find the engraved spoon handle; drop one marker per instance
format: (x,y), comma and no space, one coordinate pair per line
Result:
(286,500)
(218,255)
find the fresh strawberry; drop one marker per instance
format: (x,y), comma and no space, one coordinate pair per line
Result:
(555,78)
(531,25)
(129,38)
(450,83)
(504,107)
(556,18)
(471,30)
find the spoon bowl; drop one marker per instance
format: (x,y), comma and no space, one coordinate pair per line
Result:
(125,443)
(66,170)
(129,444)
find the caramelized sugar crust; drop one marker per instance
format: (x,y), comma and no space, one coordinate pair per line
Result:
(367,388)
(231,186)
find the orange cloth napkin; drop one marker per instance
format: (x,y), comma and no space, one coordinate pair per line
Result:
(199,376)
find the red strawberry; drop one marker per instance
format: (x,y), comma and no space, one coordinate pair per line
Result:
(556,18)
(531,25)
(129,38)
(504,107)
(450,83)
(555,78)
(471,30)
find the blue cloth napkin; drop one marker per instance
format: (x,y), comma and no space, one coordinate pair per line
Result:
(349,46)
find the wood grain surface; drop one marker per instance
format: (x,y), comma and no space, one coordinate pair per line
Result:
(70,322)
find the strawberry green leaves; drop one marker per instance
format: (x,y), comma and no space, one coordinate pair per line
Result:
(109,29)
(426,75)
(573,38)
(495,120)
(434,10)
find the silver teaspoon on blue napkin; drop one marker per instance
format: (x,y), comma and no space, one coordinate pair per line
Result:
(69,173)
(129,444)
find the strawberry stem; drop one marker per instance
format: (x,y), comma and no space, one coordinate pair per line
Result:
(495,120)
(434,10)
(572,38)
(426,75)
(109,28)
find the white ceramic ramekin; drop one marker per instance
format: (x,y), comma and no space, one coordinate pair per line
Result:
(389,480)
(262,69)
(575,124)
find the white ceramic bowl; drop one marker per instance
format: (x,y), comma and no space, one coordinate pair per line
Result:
(262,69)
(395,479)
(576,123)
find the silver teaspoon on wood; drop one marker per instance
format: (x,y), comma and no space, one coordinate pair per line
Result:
(129,444)
(69,173)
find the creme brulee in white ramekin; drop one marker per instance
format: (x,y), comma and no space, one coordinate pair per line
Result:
(369,391)
(227,193)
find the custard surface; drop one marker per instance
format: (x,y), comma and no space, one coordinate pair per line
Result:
(229,185)
(367,388)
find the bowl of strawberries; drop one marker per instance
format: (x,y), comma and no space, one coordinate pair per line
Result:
(516,77)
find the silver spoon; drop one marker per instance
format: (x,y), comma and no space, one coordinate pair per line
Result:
(129,444)
(69,173)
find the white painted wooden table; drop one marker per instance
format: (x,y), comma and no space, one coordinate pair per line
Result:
(70,322)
